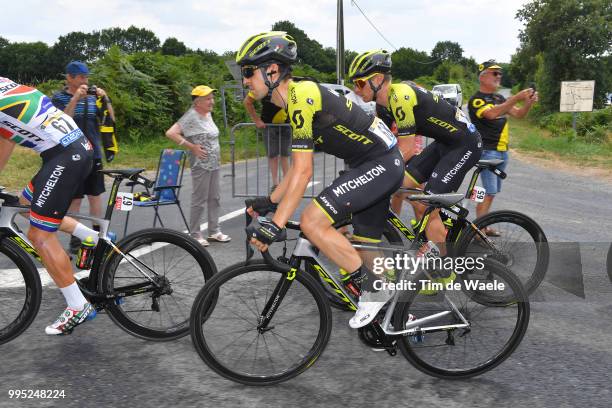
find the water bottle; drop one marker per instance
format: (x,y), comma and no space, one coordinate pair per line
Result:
(86,254)
(112,236)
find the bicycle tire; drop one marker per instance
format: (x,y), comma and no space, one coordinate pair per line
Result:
(531,272)
(609,263)
(390,234)
(31,296)
(413,350)
(199,263)
(204,336)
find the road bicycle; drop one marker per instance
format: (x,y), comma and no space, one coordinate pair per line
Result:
(146,282)
(262,322)
(520,244)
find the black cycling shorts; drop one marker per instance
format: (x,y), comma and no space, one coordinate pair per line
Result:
(51,190)
(364,193)
(444,166)
(93,185)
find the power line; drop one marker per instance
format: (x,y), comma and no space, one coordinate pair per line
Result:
(354,3)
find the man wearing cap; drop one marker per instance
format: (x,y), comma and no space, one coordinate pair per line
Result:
(76,102)
(197,132)
(488,111)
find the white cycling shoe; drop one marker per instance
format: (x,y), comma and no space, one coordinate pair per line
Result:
(368,307)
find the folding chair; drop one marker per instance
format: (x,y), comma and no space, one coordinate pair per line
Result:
(168,183)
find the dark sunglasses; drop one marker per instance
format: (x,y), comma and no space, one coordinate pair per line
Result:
(497,73)
(248,71)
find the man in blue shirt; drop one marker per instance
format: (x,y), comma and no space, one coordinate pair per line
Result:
(78,100)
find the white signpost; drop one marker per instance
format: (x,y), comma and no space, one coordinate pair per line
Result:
(577,96)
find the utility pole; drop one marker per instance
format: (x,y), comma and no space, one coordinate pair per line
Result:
(340,45)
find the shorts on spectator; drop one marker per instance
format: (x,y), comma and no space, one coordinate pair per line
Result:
(277,140)
(492,183)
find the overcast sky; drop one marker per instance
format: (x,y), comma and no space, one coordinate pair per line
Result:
(484,28)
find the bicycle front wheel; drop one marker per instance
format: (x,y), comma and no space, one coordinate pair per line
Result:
(515,240)
(172,267)
(228,335)
(469,337)
(20,291)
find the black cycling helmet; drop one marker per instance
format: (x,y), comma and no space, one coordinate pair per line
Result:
(273,46)
(370,62)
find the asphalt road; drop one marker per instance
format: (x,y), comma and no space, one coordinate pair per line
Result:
(563,361)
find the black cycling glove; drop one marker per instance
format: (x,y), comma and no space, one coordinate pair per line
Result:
(261,205)
(266,231)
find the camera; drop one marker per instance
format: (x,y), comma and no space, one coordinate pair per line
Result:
(92,90)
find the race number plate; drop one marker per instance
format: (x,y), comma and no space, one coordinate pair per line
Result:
(124,201)
(478,194)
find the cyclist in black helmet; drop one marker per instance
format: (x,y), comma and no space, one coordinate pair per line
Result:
(337,126)
(457,144)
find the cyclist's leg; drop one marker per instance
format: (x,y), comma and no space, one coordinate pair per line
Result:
(52,190)
(447,177)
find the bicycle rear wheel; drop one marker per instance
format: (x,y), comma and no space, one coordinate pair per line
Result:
(521,245)
(494,331)
(226,334)
(179,266)
(20,291)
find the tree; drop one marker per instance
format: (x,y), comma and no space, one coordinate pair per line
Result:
(172,46)
(132,40)
(4,42)
(410,64)
(26,62)
(573,38)
(77,46)
(447,51)
(310,52)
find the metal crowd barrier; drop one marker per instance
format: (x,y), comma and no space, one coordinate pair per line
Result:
(250,165)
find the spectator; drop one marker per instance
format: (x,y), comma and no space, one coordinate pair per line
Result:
(276,139)
(197,131)
(78,100)
(488,111)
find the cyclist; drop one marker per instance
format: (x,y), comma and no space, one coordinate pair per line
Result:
(457,146)
(334,124)
(28,118)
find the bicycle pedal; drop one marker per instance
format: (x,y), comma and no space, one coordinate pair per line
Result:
(391,350)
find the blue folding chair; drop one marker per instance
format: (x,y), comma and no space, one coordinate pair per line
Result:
(168,183)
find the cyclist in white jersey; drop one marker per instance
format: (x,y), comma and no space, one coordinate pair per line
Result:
(28,118)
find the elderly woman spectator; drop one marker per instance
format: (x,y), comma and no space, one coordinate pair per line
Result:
(196,131)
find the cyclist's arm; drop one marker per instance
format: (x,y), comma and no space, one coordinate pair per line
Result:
(407,145)
(6,148)
(294,184)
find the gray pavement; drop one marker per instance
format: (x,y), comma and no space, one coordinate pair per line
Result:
(563,361)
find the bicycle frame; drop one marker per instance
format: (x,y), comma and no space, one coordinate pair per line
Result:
(10,230)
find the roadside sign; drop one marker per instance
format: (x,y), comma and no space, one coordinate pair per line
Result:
(577,96)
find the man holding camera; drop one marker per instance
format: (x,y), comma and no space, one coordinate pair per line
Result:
(85,104)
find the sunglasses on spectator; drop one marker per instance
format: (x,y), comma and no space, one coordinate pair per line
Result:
(496,73)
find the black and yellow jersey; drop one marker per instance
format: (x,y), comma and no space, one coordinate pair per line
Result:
(270,113)
(494,132)
(418,111)
(324,118)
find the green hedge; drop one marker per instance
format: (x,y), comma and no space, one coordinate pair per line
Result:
(591,127)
